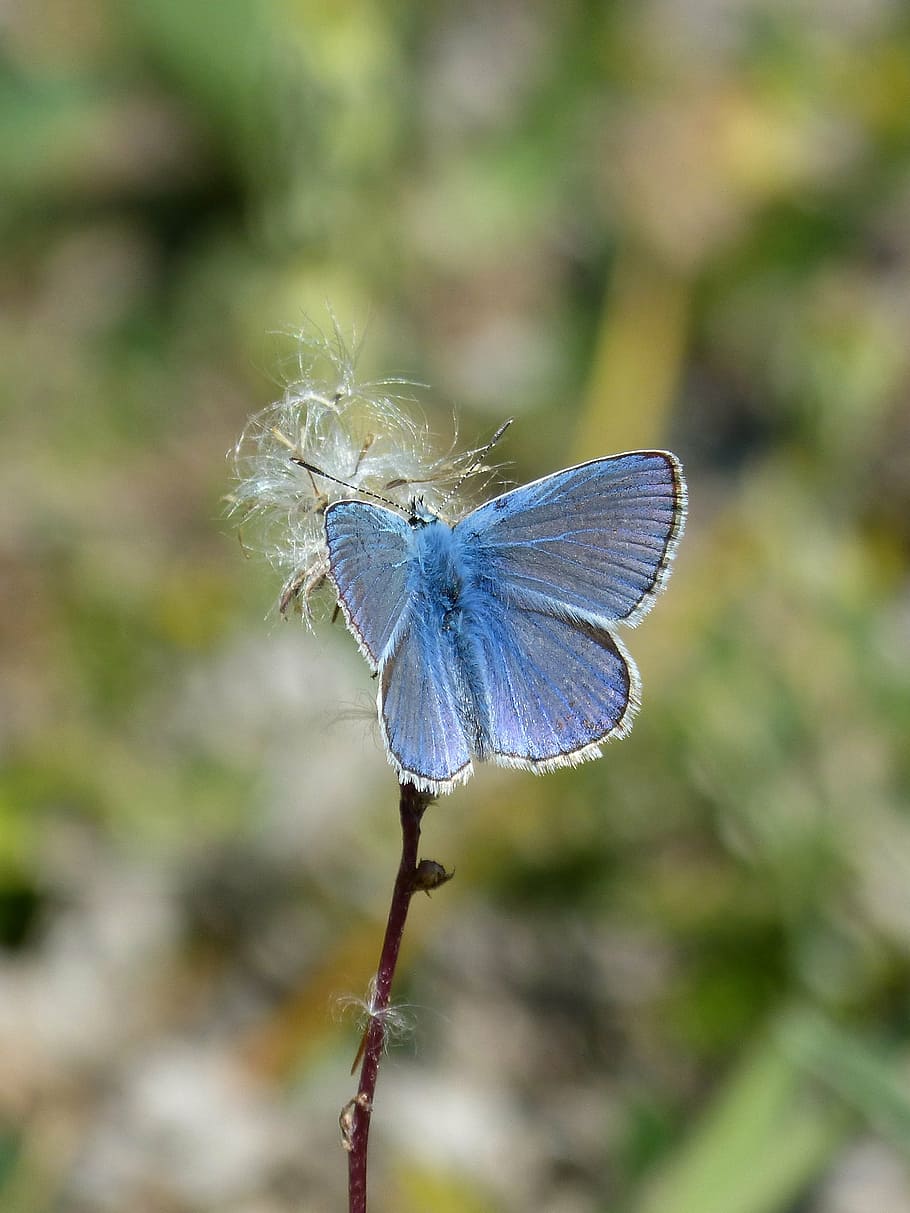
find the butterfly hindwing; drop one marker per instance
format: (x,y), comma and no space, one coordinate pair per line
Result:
(419,700)
(575,686)
(547,689)
(596,539)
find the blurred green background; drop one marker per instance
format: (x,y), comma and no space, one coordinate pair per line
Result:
(673,981)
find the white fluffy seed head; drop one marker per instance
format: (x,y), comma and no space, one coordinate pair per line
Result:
(358,433)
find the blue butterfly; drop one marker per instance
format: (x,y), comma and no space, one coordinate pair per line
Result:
(495,638)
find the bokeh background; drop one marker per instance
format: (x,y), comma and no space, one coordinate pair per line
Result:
(673,981)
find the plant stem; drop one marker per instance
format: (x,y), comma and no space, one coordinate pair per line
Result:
(411,809)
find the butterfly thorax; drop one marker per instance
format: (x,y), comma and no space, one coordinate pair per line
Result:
(441,576)
(450,608)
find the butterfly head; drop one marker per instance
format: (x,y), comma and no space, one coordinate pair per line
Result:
(419,514)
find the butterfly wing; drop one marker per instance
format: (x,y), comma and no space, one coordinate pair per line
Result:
(556,565)
(419,707)
(375,568)
(595,540)
(548,689)
(370,552)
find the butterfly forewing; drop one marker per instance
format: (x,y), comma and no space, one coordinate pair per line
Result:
(596,539)
(369,554)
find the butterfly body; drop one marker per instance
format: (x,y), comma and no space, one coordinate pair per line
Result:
(495,638)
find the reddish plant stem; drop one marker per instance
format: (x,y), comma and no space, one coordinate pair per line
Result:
(411,809)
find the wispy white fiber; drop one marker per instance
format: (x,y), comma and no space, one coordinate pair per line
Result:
(398,1019)
(363,434)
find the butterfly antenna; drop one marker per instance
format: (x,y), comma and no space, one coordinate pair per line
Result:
(477,462)
(311,467)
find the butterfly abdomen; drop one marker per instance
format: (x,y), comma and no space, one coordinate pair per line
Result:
(451,602)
